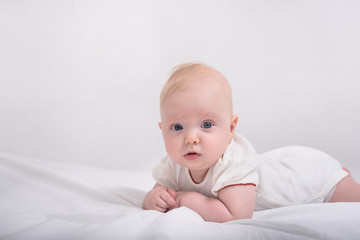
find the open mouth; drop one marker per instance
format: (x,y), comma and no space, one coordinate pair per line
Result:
(191,156)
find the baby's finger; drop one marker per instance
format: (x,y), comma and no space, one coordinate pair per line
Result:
(161,203)
(172,192)
(160,209)
(166,197)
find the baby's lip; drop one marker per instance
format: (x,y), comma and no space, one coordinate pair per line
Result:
(192,155)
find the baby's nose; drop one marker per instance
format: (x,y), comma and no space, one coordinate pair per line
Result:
(192,138)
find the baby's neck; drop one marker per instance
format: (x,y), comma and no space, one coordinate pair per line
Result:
(198,175)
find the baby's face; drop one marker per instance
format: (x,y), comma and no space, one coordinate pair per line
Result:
(197,124)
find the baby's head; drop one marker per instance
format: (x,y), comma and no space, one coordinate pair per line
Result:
(190,76)
(196,115)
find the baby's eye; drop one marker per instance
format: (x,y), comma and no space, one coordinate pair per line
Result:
(176,127)
(207,124)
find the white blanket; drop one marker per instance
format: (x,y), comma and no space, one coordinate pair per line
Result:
(43,200)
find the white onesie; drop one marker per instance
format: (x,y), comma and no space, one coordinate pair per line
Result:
(284,176)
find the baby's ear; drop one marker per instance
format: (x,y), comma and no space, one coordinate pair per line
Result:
(233,123)
(234,120)
(159,124)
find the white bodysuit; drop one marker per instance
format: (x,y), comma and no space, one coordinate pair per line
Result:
(284,176)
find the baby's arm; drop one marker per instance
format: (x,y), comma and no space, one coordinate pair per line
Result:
(160,198)
(234,202)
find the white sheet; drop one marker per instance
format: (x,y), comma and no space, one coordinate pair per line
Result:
(43,200)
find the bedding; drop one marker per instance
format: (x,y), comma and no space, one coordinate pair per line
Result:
(45,200)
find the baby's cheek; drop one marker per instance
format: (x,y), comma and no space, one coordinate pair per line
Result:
(172,149)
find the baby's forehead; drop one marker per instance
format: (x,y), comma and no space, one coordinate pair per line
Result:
(176,115)
(191,105)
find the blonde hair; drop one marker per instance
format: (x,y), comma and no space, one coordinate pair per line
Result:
(183,74)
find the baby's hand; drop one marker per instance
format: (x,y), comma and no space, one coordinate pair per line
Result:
(160,198)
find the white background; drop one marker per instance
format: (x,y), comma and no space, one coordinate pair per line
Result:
(80,80)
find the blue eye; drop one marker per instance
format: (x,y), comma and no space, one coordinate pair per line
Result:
(176,127)
(207,125)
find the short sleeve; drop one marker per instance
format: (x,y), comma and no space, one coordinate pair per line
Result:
(239,165)
(165,173)
(235,173)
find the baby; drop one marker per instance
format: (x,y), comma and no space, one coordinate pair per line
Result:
(216,172)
